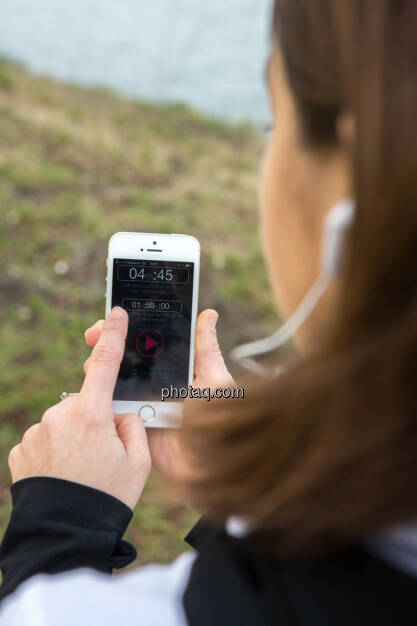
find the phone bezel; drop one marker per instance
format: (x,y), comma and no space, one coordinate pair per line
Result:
(174,247)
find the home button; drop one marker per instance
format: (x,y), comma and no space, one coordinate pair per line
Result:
(147,413)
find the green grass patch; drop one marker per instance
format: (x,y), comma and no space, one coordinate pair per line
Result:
(77,165)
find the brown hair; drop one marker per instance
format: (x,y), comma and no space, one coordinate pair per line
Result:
(328,453)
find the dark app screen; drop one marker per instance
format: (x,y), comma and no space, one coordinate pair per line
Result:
(158,298)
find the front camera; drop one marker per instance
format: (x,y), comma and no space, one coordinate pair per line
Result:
(154,243)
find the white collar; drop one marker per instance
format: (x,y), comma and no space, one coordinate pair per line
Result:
(397,545)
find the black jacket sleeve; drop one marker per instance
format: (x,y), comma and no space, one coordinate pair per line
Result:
(58,525)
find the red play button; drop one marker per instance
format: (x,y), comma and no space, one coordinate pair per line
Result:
(150,343)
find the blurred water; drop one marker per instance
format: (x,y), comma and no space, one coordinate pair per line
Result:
(208,53)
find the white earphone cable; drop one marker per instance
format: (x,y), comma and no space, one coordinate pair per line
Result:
(244,354)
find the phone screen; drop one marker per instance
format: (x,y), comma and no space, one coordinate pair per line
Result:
(158,297)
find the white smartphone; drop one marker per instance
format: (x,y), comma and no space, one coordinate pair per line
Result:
(155,278)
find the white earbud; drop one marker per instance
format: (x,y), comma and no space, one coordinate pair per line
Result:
(336,226)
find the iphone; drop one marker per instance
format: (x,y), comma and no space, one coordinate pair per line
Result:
(155,279)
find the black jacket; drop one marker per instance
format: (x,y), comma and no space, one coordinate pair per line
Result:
(58,525)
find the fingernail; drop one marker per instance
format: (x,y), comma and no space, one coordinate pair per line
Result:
(212,321)
(116,312)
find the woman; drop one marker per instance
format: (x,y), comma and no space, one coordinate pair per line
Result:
(309,484)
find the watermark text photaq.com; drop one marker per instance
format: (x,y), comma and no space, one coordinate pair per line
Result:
(206,393)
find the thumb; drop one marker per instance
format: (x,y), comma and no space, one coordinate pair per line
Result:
(210,368)
(131,432)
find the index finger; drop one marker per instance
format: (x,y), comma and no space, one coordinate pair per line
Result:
(105,360)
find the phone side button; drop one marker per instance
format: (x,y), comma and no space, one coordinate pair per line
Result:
(147,413)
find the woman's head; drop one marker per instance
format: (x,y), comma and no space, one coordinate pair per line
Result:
(342,80)
(328,452)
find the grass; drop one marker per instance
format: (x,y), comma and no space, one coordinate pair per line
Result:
(77,165)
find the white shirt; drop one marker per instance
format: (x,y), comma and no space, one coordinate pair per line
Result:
(148,596)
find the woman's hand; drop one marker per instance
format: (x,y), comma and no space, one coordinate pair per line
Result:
(80,439)
(210,371)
